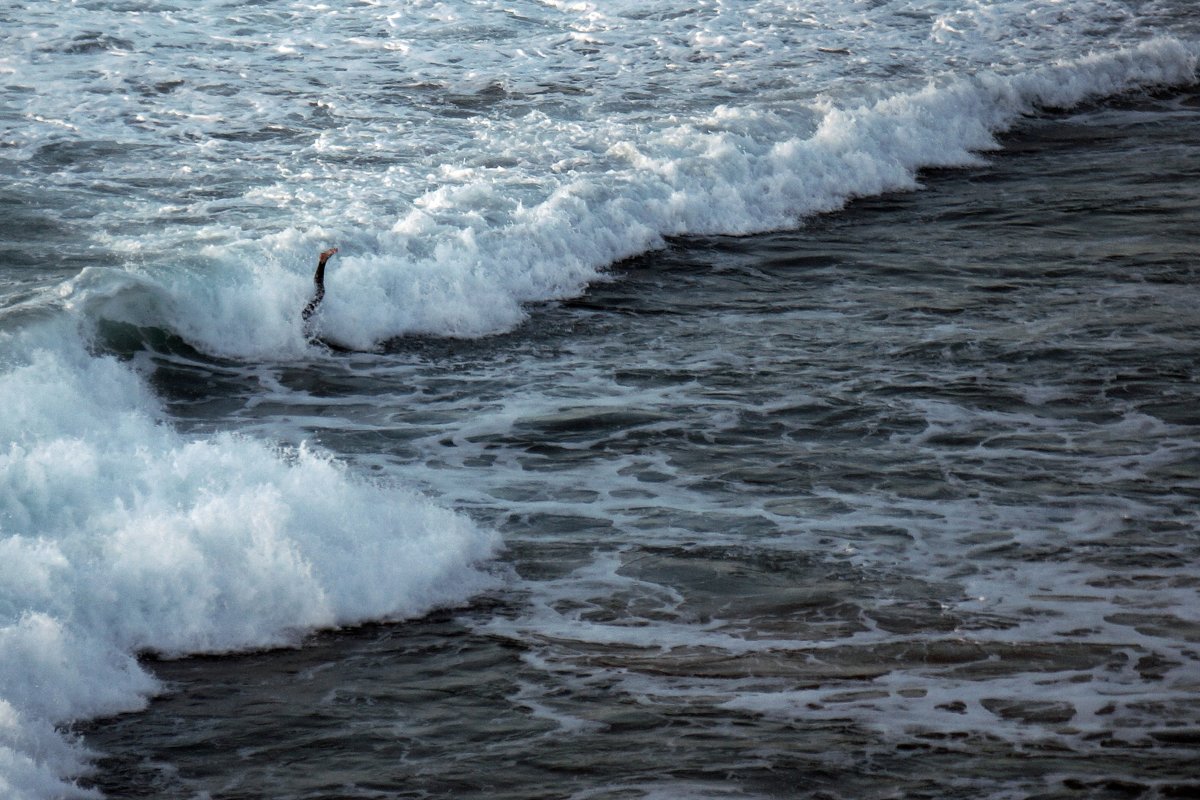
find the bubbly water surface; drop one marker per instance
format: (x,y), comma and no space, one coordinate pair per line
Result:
(690,483)
(901,504)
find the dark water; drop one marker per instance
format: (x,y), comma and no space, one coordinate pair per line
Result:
(901,504)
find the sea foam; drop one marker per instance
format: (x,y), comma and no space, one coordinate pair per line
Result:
(120,536)
(469,256)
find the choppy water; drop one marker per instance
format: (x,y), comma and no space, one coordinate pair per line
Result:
(900,504)
(897,500)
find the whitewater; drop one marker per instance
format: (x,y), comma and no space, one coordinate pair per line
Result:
(171,171)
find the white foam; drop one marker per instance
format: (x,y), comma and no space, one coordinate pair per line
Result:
(120,536)
(469,167)
(234,143)
(473,251)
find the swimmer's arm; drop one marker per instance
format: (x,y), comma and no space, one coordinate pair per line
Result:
(319,278)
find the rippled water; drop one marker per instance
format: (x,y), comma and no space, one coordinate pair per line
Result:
(901,504)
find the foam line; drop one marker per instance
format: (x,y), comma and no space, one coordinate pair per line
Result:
(466,259)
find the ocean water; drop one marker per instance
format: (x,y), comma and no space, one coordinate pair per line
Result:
(743,400)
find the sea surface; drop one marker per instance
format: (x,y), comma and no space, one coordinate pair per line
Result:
(719,400)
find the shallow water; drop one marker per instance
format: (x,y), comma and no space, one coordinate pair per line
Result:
(900,504)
